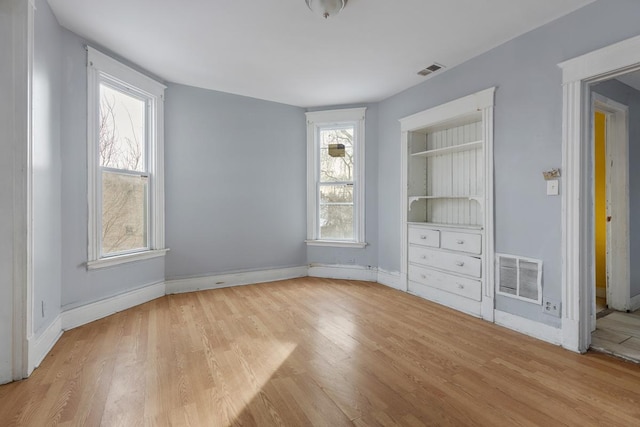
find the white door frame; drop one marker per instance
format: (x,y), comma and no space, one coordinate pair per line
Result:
(577,269)
(618,242)
(20,138)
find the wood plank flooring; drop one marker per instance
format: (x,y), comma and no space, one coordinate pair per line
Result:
(618,333)
(314,352)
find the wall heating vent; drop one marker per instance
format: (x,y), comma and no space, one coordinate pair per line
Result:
(519,277)
(430,69)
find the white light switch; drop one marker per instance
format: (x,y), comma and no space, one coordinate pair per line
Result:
(552,188)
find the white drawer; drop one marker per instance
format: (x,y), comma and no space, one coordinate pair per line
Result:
(468,288)
(424,236)
(463,242)
(457,263)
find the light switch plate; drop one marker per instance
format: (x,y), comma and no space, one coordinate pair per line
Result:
(552,188)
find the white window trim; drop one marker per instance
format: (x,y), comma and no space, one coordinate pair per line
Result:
(100,65)
(316,119)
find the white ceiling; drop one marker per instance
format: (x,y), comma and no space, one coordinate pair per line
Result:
(279,50)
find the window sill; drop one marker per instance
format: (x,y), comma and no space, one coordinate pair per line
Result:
(336,243)
(121,259)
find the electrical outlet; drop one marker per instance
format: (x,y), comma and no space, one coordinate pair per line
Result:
(551,307)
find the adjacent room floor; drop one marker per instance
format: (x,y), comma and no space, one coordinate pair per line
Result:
(618,333)
(314,352)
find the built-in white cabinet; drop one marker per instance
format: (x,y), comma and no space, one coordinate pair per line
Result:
(447,204)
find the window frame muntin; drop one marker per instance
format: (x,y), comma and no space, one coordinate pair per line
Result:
(102,68)
(317,120)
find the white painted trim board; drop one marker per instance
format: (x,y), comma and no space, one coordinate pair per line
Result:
(97,310)
(218,281)
(40,346)
(391,279)
(345,272)
(528,327)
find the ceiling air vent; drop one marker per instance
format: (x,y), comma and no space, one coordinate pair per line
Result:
(430,69)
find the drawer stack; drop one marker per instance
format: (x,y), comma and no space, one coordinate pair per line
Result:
(445,259)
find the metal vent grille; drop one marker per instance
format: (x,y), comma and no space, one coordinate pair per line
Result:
(519,277)
(430,69)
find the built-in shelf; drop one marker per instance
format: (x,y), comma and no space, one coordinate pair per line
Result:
(413,199)
(454,226)
(448,150)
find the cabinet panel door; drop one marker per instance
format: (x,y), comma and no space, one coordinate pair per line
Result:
(463,242)
(424,237)
(468,288)
(457,263)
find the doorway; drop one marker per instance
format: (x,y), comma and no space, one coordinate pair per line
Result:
(579,75)
(615,102)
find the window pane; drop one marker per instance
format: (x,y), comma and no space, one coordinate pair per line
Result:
(336,222)
(121,130)
(336,212)
(336,165)
(336,168)
(336,194)
(124,212)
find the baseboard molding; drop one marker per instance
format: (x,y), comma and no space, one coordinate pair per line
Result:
(635,303)
(233,279)
(40,346)
(390,279)
(97,310)
(529,327)
(345,272)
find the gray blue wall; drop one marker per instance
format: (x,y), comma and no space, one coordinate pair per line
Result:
(235,168)
(528,134)
(46,162)
(80,286)
(630,97)
(235,173)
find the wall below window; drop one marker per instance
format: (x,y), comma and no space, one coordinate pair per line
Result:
(235,183)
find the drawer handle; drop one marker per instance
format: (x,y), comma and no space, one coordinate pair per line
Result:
(459,263)
(423,237)
(460,242)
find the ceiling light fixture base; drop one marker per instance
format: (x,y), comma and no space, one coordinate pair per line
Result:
(326,8)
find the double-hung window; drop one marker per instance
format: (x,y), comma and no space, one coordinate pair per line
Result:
(125,163)
(335,178)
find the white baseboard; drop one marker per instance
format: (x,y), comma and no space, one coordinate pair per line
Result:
(40,346)
(529,327)
(346,272)
(97,310)
(390,279)
(635,303)
(233,279)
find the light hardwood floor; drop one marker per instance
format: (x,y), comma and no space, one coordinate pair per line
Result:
(314,352)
